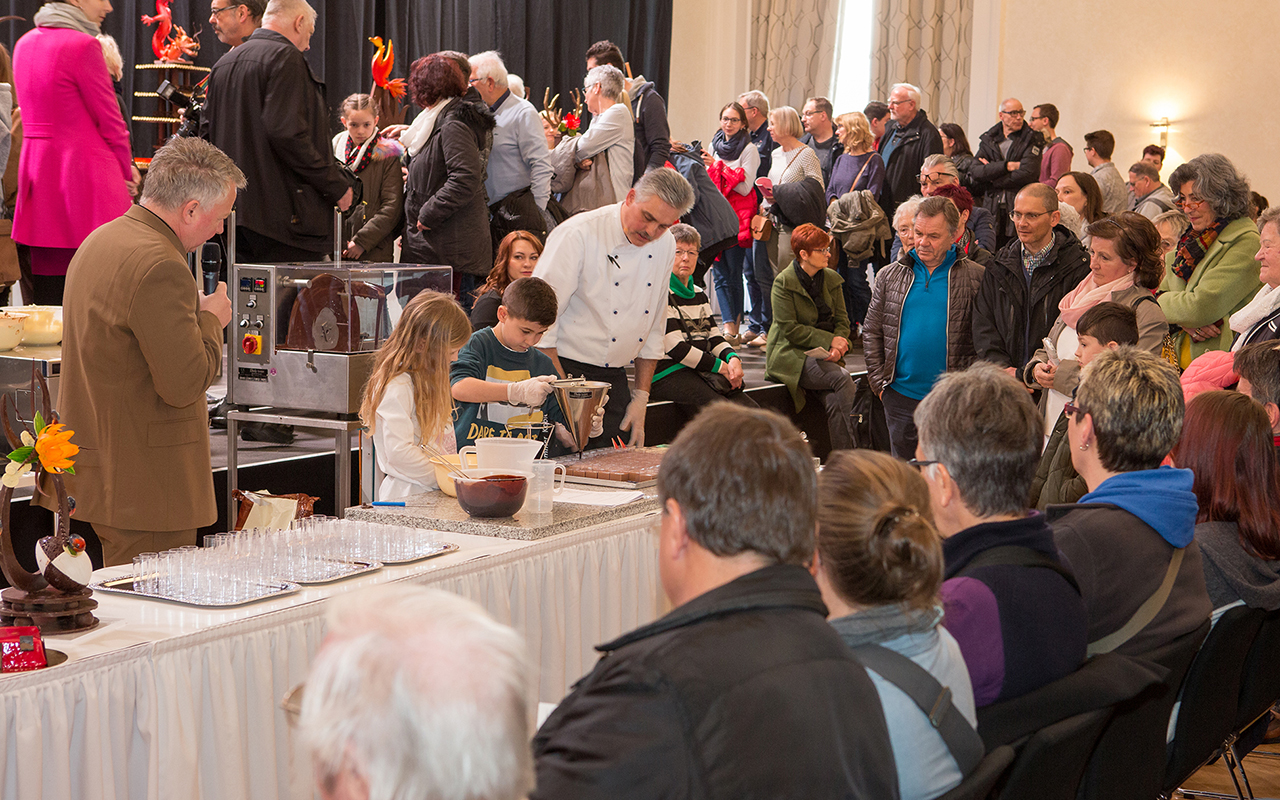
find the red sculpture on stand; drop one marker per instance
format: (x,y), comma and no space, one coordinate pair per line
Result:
(57,598)
(166,48)
(387,94)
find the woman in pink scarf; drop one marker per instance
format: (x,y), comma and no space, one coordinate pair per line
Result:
(1126,266)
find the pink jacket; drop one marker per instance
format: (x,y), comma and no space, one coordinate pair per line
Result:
(75,158)
(1212,370)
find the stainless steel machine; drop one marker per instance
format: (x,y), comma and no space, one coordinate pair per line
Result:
(304,336)
(16,379)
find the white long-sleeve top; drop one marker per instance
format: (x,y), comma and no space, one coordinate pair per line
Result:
(612,131)
(405,467)
(611,295)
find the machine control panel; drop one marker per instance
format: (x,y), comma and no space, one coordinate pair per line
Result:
(253,314)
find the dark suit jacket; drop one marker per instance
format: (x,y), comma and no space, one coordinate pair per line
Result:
(137,357)
(266,110)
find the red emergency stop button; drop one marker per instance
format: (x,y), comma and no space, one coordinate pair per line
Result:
(251,344)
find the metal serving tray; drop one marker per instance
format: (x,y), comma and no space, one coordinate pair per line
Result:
(354,568)
(433,550)
(271,591)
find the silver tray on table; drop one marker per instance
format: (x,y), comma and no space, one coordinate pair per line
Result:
(270,591)
(435,550)
(353,568)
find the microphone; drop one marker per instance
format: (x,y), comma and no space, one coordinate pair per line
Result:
(211,265)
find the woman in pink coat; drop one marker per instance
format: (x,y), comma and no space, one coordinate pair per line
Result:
(76,171)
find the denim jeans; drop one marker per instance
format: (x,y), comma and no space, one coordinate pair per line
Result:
(762,271)
(726,275)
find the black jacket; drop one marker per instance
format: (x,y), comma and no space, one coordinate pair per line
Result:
(744,692)
(653,134)
(1010,317)
(993,181)
(446,193)
(902,168)
(266,110)
(711,216)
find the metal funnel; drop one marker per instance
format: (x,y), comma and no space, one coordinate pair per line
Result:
(579,398)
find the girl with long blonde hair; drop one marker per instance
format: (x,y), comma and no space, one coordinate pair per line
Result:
(406,400)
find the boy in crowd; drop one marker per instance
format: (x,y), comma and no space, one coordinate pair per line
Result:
(1106,326)
(501,381)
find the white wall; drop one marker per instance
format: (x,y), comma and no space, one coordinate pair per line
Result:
(710,64)
(1122,64)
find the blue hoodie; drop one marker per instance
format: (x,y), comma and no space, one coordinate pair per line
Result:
(1161,497)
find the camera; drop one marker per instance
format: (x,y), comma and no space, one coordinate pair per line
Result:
(192,104)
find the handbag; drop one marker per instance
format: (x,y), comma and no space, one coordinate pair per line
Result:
(761,227)
(718,383)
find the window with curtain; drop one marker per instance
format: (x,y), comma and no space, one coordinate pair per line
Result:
(851,70)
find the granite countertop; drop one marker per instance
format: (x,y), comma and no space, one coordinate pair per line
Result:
(438,511)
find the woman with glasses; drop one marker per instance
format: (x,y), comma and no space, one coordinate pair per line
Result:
(1125,267)
(1212,273)
(700,366)
(1135,529)
(879,565)
(732,163)
(809,315)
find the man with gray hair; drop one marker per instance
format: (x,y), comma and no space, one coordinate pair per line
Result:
(1010,602)
(919,324)
(140,346)
(518,182)
(1147,195)
(610,270)
(417,692)
(266,109)
(1008,158)
(908,138)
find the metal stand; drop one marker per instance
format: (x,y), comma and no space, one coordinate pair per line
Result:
(342,429)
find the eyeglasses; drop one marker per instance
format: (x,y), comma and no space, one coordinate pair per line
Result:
(1189,200)
(213,12)
(1019,216)
(810,113)
(474,81)
(934,179)
(1070,409)
(731,119)
(687,253)
(1020,112)
(920,465)
(896,102)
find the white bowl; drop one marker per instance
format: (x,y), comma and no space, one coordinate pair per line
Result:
(11,324)
(43,326)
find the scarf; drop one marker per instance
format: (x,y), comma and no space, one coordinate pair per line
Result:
(730,149)
(1192,246)
(420,130)
(885,623)
(1087,295)
(65,15)
(357,157)
(1263,303)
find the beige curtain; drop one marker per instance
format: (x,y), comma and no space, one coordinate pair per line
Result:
(792,49)
(926,43)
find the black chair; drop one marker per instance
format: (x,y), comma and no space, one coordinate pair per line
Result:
(1129,759)
(1210,695)
(1050,765)
(980,782)
(1259,690)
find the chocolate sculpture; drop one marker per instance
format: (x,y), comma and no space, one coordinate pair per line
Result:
(57,598)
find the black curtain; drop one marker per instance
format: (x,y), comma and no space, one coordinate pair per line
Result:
(543,41)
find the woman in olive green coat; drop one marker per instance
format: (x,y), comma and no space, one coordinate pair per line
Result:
(808,314)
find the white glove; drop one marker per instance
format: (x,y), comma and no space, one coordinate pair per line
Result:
(532,392)
(597,420)
(565,437)
(633,420)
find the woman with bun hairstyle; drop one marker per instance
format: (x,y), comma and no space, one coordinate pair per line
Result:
(879,565)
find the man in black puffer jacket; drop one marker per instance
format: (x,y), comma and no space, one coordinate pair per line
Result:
(743,690)
(1008,159)
(1017,303)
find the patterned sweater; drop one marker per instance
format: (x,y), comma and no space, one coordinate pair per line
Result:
(692,339)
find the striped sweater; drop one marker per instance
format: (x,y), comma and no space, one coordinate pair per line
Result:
(692,339)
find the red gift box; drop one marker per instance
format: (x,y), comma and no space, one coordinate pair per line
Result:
(21,649)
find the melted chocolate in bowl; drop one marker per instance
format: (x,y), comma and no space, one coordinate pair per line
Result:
(493,495)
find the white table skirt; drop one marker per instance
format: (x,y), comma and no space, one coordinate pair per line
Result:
(163,702)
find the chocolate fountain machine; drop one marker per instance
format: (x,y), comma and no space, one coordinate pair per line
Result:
(304,336)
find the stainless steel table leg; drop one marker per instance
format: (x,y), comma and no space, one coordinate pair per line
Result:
(342,458)
(233,438)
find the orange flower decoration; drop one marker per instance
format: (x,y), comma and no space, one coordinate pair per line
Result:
(55,449)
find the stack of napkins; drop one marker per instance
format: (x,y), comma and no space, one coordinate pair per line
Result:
(588,497)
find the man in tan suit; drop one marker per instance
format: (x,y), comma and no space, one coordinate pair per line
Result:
(140,347)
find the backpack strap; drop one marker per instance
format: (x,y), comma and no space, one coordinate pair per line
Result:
(932,697)
(1145,613)
(1019,556)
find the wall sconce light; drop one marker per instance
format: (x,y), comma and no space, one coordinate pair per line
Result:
(1162,127)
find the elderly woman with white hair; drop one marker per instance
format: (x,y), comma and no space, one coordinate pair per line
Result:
(417,692)
(1259,320)
(612,133)
(1212,273)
